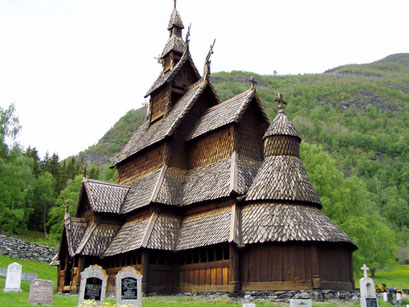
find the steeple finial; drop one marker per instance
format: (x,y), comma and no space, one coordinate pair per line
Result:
(66,207)
(187,39)
(253,82)
(207,61)
(174,4)
(281,101)
(84,171)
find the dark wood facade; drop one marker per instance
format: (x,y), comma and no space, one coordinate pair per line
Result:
(210,197)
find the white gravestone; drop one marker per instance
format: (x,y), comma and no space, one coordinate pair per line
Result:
(13,279)
(128,287)
(300,303)
(367,288)
(93,285)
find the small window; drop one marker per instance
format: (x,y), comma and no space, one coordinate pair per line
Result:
(210,254)
(196,256)
(226,253)
(203,255)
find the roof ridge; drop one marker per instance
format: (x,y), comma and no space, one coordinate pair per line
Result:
(121,185)
(85,239)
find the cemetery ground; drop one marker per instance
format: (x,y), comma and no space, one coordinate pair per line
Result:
(398,276)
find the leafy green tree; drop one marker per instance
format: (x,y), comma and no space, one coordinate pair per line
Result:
(69,193)
(43,200)
(350,205)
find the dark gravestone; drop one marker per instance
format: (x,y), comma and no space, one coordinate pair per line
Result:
(129,289)
(41,292)
(93,285)
(93,289)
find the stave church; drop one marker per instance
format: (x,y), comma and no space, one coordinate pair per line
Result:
(210,196)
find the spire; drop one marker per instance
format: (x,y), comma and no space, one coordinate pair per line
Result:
(175,20)
(175,42)
(281,124)
(206,73)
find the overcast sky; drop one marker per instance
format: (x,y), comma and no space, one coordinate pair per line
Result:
(74,67)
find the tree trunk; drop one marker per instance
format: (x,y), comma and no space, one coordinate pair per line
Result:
(372,273)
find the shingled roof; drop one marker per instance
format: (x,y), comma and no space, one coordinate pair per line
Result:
(205,229)
(285,222)
(282,125)
(149,134)
(167,77)
(283,178)
(105,197)
(175,20)
(226,113)
(96,239)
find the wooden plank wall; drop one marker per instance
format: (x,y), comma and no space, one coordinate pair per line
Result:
(335,264)
(162,278)
(204,277)
(142,164)
(250,136)
(158,102)
(211,148)
(276,267)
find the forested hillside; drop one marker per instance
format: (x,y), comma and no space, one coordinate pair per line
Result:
(354,121)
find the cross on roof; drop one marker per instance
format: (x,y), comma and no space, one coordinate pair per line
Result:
(365,269)
(280,99)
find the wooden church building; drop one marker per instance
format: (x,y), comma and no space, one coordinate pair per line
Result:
(210,196)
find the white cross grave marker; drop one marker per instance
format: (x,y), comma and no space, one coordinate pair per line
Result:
(365,269)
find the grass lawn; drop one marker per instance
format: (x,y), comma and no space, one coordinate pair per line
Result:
(398,274)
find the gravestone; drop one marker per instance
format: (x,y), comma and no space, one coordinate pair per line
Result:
(300,303)
(128,287)
(367,288)
(93,285)
(41,292)
(13,279)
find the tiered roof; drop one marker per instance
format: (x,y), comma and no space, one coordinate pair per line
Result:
(276,201)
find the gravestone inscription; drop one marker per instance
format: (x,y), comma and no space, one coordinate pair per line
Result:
(41,292)
(128,287)
(13,279)
(93,285)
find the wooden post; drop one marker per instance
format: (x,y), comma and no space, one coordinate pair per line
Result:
(145,271)
(351,270)
(315,273)
(234,268)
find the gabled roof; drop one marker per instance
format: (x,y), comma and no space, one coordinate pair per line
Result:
(167,77)
(285,222)
(105,196)
(175,20)
(281,125)
(226,113)
(149,134)
(283,178)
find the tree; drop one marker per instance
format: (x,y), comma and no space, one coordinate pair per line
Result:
(69,193)
(43,200)
(9,127)
(351,206)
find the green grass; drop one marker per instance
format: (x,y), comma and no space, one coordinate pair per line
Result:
(398,274)
(35,237)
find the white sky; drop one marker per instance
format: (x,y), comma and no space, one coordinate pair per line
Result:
(74,67)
